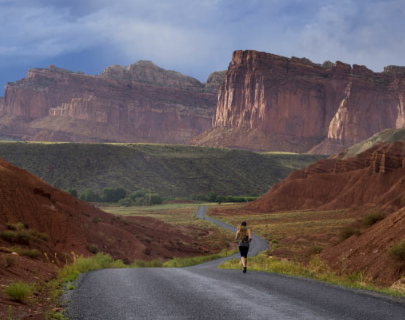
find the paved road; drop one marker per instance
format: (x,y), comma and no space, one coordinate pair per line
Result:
(205,292)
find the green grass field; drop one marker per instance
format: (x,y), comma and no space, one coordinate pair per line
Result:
(170,170)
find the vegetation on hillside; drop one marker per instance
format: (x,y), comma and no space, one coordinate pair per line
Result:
(169,170)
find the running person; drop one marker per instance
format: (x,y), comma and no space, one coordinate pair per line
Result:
(245,236)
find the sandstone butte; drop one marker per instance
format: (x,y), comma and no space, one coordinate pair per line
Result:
(270,102)
(371,181)
(138,103)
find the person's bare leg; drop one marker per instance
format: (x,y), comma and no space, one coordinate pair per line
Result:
(243,261)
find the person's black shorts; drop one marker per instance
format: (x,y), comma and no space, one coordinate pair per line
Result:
(243,251)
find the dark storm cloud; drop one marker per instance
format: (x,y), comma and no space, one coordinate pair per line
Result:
(197,37)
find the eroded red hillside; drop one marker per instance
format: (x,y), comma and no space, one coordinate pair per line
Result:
(375,177)
(368,253)
(73,225)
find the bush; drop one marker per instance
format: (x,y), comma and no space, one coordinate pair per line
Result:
(397,252)
(126,202)
(15,226)
(40,235)
(34,253)
(372,218)
(212,196)
(348,232)
(92,248)
(199,197)
(145,197)
(72,192)
(113,194)
(138,194)
(89,195)
(8,236)
(23,237)
(18,291)
(97,220)
(140,201)
(10,260)
(155,199)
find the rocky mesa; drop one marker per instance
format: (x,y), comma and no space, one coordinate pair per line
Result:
(270,102)
(138,103)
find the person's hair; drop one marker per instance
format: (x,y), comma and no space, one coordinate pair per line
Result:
(243,231)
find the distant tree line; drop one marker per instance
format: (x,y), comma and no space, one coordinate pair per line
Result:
(214,197)
(119,195)
(144,197)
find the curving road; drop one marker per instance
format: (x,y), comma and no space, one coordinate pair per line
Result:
(205,292)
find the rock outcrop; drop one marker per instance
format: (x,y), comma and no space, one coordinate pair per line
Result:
(138,103)
(278,103)
(373,178)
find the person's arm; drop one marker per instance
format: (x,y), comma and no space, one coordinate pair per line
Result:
(250,235)
(237,234)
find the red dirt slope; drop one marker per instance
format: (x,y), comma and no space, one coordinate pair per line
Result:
(375,177)
(72,225)
(369,252)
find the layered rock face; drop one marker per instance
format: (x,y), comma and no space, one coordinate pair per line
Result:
(139,103)
(293,104)
(374,178)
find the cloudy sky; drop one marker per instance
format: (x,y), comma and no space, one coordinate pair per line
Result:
(195,37)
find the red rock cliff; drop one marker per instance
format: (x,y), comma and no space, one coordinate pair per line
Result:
(269,102)
(141,102)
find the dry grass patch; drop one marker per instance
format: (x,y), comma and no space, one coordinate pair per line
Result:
(296,232)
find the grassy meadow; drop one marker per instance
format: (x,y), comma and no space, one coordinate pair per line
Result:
(169,170)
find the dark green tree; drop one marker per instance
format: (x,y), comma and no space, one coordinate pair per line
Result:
(73,192)
(126,202)
(89,195)
(113,194)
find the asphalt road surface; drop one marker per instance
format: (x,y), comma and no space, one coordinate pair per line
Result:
(204,292)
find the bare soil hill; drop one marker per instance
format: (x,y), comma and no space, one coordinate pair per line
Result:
(368,253)
(73,226)
(375,177)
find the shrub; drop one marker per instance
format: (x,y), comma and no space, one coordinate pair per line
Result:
(92,248)
(140,201)
(155,199)
(15,226)
(372,218)
(97,220)
(126,202)
(348,232)
(113,194)
(199,197)
(40,235)
(138,194)
(72,192)
(18,291)
(34,253)
(10,260)
(314,250)
(397,252)
(212,196)
(23,237)
(8,235)
(89,195)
